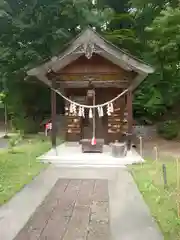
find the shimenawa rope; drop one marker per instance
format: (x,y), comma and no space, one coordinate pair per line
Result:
(89,106)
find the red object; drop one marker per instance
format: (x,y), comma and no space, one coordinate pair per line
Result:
(48,126)
(93,141)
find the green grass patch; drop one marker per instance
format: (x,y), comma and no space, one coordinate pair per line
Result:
(18,167)
(161,200)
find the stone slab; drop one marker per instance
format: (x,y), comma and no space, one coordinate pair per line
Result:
(19,209)
(71,156)
(130,216)
(72,210)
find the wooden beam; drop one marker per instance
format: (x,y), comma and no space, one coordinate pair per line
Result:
(100,84)
(129,117)
(129,110)
(115,81)
(53,114)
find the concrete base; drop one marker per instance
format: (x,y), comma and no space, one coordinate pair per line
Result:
(70,155)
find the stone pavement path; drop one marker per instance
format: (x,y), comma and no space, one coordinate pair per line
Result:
(73,210)
(77,204)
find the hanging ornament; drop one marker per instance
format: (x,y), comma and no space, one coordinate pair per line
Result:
(71,108)
(93,141)
(82,112)
(100,111)
(90,113)
(74,109)
(110,109)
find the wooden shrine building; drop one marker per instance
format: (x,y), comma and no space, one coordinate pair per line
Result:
(90,62)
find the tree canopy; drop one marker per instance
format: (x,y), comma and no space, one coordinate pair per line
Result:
(34,30)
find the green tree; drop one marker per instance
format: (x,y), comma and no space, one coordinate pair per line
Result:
(32,32)
(162,91)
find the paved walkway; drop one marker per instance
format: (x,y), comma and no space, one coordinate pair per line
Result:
(74,209)
(128,217)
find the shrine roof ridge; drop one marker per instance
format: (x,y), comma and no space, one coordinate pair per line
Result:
(86,43)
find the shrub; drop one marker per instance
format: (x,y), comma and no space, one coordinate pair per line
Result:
(168,129)
(26,124)
(14,141)
(31,126)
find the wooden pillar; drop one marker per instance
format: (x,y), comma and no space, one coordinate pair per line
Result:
(129,118)
(53,114)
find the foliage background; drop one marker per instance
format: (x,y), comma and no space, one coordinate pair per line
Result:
(33,31)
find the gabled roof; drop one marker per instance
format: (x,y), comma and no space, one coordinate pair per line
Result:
(89,42)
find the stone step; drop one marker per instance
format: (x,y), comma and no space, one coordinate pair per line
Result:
(73,157)
(64,161)
(89,162)
(65,165)
(74,164)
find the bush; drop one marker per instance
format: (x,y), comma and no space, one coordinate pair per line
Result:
(26,124)
(14,141)
(31,126)
(168,129)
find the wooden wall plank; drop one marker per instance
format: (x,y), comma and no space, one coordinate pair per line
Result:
(53,115)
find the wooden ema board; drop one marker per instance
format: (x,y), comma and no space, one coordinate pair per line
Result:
(125,122)
(73,122)
(115,127)
(117,121)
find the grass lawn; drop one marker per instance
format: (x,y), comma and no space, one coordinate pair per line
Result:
(19,167)
(161,201)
